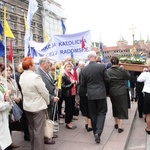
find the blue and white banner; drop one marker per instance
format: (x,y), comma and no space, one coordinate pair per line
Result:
(61,46)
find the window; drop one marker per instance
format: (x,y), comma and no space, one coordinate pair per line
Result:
(33,23)
(14,18)
(1,5)
(22,20)
(13,25)
(12,8)
(22,11)
(22,27)
(40,32)
(22,35)
(14,43)
(39,25)
(34,37)
(15,35)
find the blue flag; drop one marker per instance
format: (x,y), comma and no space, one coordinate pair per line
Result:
(63,26)
(72,56)
(102,51)
(1,29)
(2,49)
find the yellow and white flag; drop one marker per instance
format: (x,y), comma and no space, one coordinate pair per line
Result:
(7,30)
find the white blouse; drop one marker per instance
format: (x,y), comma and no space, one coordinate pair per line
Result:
(145,77)
(5,137)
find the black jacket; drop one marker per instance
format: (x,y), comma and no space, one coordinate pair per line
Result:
(66,85)
(94,77)
(82,88)
(118,79)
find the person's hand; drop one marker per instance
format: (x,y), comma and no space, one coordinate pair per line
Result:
(6,97)
(74,81)
(145,69)
(9,92)
(17,100)
(56,99)
(121,66)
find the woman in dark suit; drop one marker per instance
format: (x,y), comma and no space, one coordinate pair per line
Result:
(69,92)
(118,92)
(83,99)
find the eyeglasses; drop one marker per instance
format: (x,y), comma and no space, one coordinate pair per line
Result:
(8,70)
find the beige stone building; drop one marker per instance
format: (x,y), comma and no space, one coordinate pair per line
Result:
(123,49)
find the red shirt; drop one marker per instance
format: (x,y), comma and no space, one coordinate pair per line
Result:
(72,78)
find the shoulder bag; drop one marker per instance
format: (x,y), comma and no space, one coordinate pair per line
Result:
(49,126)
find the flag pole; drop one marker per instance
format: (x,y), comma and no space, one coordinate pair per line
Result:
(14,73)
(5,56)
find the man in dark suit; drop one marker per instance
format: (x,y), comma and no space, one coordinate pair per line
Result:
(43,70)
(94,78)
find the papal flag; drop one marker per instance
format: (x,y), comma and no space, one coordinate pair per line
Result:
(60,78)
(7,30)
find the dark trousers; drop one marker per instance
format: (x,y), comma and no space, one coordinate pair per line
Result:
(60,105)
(24,123)
(97,110)
(84,106)
(69,108)
(140,104)
(36,122)
(8,148)
(50,110)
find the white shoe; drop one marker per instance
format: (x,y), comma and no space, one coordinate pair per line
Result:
(60,121)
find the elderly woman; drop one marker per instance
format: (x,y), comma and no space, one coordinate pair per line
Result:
(35,101)
(11,83)
(5,104)
(69,92)
(83,99)
(5,137)
(6,72)
(118,92)
(145,77)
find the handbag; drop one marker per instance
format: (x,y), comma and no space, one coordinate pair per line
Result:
(49,126)
(16,112)
(76,110)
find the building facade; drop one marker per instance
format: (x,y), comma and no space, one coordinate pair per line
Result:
(47,18)
(52,13)
(123,49)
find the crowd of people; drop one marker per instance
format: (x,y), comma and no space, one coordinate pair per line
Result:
(34,90)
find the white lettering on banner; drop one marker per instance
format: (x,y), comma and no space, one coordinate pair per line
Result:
(61,46)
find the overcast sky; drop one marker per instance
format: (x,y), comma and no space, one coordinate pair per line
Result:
(107,19)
